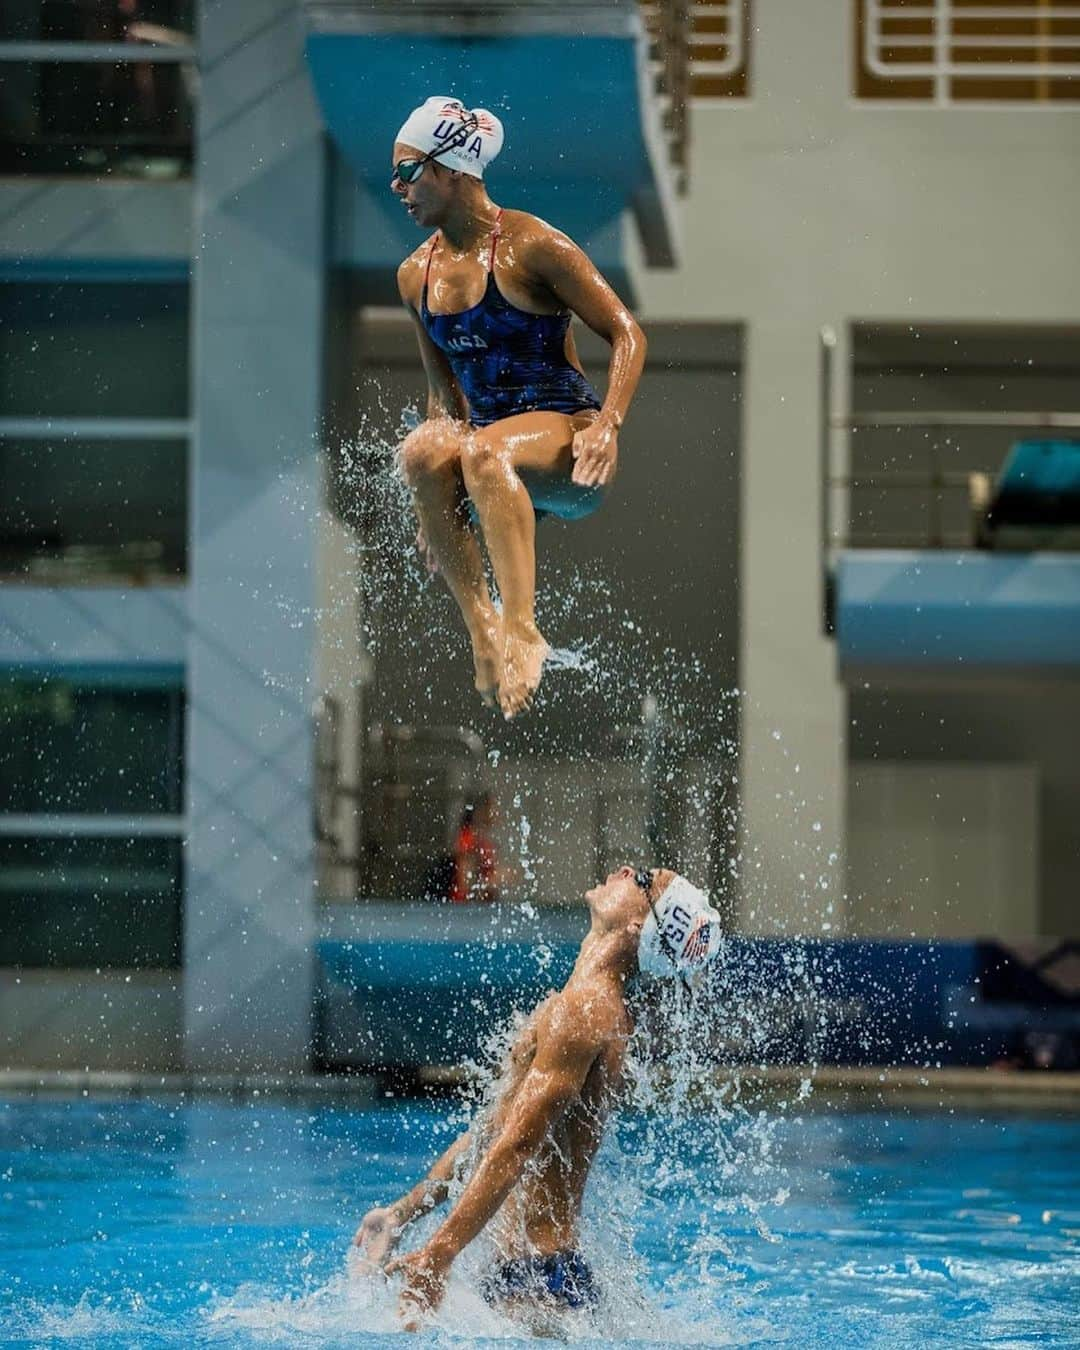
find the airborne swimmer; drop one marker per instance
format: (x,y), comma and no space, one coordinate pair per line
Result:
(514,431)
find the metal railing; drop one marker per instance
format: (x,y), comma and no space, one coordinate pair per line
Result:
(669,27)
(718,24)
(943,41)
(939,482)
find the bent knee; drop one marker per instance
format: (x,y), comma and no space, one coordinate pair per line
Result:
(431,448)
(481,457)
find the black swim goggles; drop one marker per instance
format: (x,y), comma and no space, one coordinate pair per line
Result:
(643,880)
(409,170)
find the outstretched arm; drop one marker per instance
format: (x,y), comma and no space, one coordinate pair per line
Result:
(381,1228)
(562,1063)
(566,271)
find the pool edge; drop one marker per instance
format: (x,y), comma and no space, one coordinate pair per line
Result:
(821,1088)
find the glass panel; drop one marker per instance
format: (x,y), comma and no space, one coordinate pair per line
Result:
(72,746)
(131,119)
(92,20)
(80,903)
(104,349)
(76,510)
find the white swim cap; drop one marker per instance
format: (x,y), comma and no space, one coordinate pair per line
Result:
(475,136)
(687,936)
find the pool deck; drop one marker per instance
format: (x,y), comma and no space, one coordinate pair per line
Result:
(829,1087)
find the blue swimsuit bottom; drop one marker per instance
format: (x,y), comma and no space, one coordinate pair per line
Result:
(565,1277)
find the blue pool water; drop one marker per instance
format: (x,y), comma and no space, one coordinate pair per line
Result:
(162,1224)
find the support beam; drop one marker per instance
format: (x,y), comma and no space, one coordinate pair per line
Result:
(259,271)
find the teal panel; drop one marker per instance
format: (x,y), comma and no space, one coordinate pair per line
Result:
(958,610)
(574,154)
(570,105)
(1042,468)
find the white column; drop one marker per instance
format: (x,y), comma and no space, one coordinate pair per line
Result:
(259,264)
(792,744)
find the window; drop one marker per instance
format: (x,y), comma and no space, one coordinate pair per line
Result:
(91,818)
(94,349)
(93,431)
(92,743)
(75,903)
(77,510)
(92,20)
(96,86)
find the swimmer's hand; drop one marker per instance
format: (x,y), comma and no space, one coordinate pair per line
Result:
(596,450)
(425,1273)
(379,1233)
(424,549)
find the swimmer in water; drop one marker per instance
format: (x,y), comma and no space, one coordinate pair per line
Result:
(514,430)
(527,1161)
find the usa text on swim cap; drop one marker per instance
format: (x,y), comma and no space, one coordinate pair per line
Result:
(472,137)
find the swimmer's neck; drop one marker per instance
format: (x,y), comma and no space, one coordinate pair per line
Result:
(603,956)
(470,218)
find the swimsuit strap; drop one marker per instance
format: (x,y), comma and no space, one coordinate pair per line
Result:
(495,234)
(430,255)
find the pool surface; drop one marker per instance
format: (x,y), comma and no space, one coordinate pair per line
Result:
(164,1223)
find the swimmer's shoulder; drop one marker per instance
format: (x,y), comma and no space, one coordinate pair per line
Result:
(584,1019)
(410,274)
(532,237)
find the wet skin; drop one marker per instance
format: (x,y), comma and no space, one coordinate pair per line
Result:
(563,460)
(530,1158)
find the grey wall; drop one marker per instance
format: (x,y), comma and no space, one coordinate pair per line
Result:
(59,227)
(1024,724)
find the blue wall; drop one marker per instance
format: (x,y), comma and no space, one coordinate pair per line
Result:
(401,1001)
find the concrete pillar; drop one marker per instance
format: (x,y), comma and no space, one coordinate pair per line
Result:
(792,744)
(258,278)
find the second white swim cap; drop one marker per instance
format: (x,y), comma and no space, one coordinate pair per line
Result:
(687,936)
(473,136)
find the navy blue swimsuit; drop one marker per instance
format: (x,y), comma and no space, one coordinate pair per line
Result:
(507,360)
(564,1277)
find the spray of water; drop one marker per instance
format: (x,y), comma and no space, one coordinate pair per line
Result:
(684,1148)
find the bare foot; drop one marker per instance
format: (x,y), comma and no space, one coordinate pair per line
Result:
(524,653)
(486,663)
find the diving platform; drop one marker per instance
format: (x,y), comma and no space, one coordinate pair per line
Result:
(574,84)
(967,614)
(1034,501)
